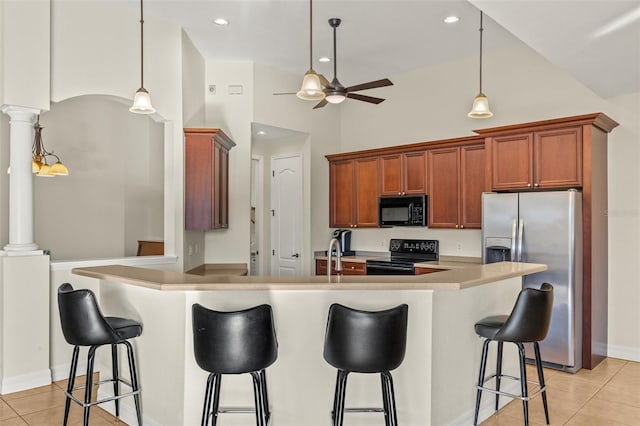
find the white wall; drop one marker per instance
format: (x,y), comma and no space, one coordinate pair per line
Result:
(113,195)
(432,103)
(95,50)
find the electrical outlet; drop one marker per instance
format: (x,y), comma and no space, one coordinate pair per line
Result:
(197,248)
(382,244)
(190,249)
(459,246)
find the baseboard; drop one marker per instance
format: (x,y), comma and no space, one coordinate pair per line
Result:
(487,406)
(25,381)
(627,353)
(61,372)
(127,411)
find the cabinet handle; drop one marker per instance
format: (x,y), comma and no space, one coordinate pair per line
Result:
(529,185)
(462,226)
(456,226)
(536,184)
(355,226)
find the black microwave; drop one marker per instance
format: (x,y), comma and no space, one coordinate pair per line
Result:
(403,211)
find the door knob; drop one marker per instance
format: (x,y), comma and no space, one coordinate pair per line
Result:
(295,255)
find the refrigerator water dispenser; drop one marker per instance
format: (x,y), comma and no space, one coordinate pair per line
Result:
(497,250)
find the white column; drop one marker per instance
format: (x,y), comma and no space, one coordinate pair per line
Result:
(21,240)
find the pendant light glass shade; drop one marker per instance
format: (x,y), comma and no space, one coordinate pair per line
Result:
(39,154)
(480,107)
(142,102)
(311,89)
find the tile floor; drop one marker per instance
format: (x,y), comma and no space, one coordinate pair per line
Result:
(607,395)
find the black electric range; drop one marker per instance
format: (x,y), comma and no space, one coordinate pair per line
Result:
(403,255)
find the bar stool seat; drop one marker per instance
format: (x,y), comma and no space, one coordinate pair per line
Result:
(528,323)
(83,325)
(235,342)
(365,342)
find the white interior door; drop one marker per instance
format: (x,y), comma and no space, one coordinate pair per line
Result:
(286,214)
(256,217)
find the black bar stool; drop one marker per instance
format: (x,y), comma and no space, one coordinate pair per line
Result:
(234,343)
(528,323)
(84,325)
(365,342)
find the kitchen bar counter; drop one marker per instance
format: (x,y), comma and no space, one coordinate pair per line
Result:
(456,277)
(434,384)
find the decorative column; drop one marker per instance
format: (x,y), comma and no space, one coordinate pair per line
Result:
(21,240)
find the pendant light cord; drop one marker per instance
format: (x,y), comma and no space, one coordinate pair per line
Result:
(310,35)
(481,30)
(141,47)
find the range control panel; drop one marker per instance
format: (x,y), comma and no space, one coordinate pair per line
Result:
(427,249)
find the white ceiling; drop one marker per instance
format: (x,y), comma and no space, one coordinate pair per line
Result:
(598,41)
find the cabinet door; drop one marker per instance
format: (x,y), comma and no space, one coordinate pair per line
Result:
(353,268)
(198,180)
(558,158)
(341,193)
(472,185)
(366,192)
(512,161)
(443,166)
(321,267)
(415,173)
(391,174)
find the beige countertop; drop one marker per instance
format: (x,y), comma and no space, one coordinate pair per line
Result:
(452,279)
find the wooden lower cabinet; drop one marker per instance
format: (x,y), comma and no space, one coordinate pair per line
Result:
(348,268)
(456,183)
(422,271)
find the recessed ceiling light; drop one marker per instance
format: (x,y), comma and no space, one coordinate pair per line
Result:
(220,21)
(325,59)
(262,132)
(451,19)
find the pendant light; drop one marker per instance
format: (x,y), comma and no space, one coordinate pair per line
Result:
(142,100)
(39,164)
(480,108)
(311,89)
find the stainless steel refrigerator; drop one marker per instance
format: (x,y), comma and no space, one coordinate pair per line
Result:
(543,227)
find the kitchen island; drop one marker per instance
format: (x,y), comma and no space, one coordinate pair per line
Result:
(435,385)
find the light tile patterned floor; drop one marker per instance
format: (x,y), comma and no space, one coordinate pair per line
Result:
(607,395)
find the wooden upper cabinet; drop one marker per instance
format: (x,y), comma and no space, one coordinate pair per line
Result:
(403,174)
(558,158)
(456,183)
(443,180)
(353,193)
(472,184)
(512,161)
(206,179)
(537,160)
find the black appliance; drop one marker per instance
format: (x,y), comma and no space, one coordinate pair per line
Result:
(344,237)
(403,211)
(404,254)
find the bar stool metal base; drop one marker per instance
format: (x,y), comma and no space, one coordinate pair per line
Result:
(498,376)
(388,400)
(116,380)
(212,400)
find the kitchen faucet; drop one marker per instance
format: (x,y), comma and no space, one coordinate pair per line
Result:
(336,242)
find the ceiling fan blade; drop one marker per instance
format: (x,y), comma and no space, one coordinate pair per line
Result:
(364,98)
(324,81)
(370,85)
(321,104)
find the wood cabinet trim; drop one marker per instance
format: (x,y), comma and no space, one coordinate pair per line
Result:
(598,119)
(218,134)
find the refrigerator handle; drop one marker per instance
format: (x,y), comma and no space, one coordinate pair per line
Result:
(513,241)
(520,231)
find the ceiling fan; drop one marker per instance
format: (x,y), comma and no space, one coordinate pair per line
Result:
(336,92)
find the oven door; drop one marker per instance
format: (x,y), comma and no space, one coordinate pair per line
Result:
(383,267)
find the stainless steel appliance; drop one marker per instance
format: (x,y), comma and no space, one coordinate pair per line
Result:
(344,238)
(403,255)
(543,227)
(403,211)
